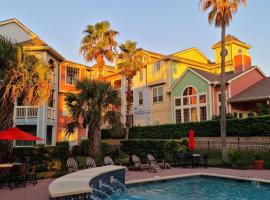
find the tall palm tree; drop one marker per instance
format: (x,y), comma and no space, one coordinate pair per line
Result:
(129,62)
(221,13)
(99,44)
(95,104)
(22,76)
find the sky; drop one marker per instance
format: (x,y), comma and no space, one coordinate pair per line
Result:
(163,26)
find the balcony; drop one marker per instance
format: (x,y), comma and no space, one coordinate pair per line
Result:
(31,113)
(26,112)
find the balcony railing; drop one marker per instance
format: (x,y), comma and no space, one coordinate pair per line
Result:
(50,113)
(25,112)
(28,112)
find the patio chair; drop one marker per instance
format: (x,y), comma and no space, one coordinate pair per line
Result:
(138,164)
(90,162)
(108,160)
(5,178)
(162,164)
(204,160)
(72,165)
(18,174)
(31,174)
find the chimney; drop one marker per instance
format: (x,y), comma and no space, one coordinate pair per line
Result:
(241,63)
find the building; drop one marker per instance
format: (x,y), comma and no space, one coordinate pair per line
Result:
(40,121)
(176,88)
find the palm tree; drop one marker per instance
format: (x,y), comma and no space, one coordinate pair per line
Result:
(221,12)
(95,104)
(129,63)
(99,44)
(22,76)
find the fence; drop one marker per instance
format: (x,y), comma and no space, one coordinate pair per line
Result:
(246,149)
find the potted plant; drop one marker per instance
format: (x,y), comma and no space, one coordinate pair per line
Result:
(258,162)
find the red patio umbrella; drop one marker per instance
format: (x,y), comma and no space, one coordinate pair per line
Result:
(191,143)
(17,134)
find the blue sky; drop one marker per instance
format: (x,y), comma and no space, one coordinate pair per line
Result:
(163,26)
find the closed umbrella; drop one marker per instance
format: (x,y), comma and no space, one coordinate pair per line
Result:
(17,134)
(191,142)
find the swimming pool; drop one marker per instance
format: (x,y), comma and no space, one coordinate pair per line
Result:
(199,187)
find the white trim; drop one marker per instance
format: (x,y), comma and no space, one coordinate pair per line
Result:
(180,77)
(210,101)
(244,73)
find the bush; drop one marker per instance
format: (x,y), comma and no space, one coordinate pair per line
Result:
(110,134)
(255,126)
(85,147)
(41,156)
(161,149)
(110,150)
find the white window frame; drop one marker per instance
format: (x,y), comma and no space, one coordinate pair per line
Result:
(157,88)
(219,102)
(79,75)
(140,92)
(190,106)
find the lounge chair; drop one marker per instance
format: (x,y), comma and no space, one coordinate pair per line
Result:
(153,161)
(108,160)
(138,164)
(90,162)
(72,165)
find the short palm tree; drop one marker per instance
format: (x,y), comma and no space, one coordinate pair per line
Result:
(221,13)
(129,63)
(99,44)
(96,103)
(23,76)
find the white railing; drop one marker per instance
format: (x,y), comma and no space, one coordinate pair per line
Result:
(25,112)
(50,113)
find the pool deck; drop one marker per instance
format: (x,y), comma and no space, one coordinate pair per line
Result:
(40,191)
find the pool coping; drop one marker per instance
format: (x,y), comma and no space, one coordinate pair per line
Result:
(173,177)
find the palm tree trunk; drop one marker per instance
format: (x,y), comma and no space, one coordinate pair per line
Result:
(128,100)
(95,143)
(6,121)
(223,97)
(100,65)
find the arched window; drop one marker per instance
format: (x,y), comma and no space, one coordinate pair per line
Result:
(189,91)
(191,106)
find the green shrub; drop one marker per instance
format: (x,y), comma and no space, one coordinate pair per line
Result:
(161,149)
(110,150)
(63,143)
(110,134)
(84,147)
(234,156)
(254,126)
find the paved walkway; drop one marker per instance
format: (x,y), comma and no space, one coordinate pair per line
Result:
(40,191)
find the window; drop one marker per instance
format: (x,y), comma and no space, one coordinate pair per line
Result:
(178,116)
(191,106)
(240,115)
(156,69)
(234,115)
(203,98)
(157,94)
(186,115)
(178,102)
(141,75)
(203,115)
(72,75)
(140,98)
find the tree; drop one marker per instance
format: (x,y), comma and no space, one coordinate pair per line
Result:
(129,63)
(96,103)
(22,76)
(221,12)
(99,44)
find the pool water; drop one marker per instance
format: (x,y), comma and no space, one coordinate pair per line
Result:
(199,188)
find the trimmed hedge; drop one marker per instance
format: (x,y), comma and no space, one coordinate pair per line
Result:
(161,149)
(42,156)
(255,126)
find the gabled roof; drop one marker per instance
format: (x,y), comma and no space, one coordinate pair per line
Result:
(151,53)
(258,91)
(14,20)
(214,78)
(229,39)
(178,54)
(34,44)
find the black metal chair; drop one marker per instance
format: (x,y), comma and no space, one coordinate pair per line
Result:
(5,178)
(31,174)
(18,174)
